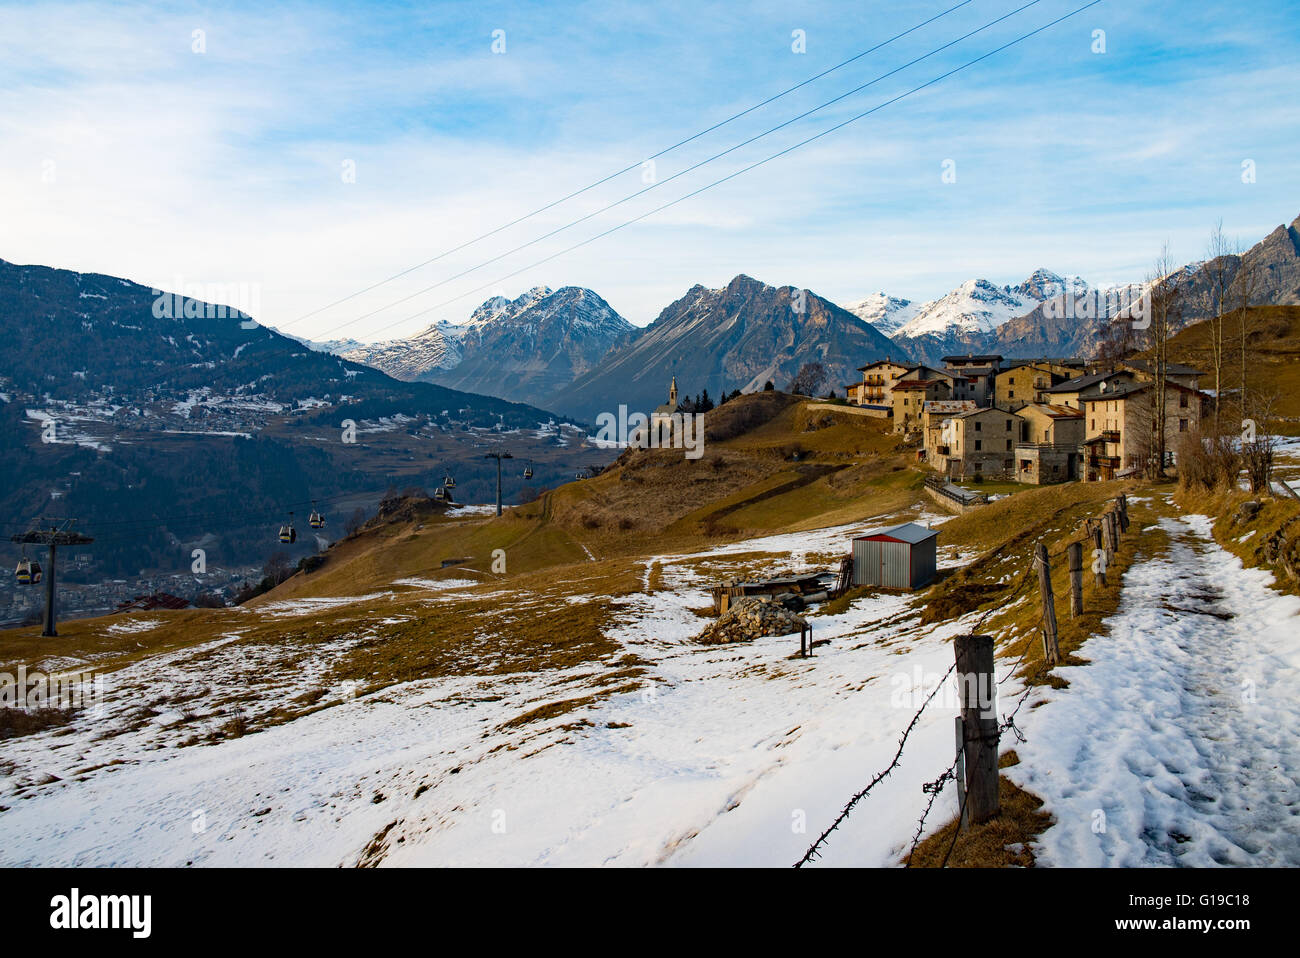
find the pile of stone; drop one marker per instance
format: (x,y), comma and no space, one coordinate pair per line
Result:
(750,617)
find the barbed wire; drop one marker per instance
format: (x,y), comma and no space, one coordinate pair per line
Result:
(935,787)
(812,853)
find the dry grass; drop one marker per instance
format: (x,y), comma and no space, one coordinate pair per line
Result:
(999,843)
(19,721)
(1269,540)
(1273,357)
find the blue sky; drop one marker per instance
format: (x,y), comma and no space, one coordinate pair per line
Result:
(127,152)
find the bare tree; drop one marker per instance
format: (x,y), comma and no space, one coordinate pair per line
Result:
(1220,260)
(277,567)
(355,522)
(807,380)
(1243,293)
(1259,443)
(1163,315)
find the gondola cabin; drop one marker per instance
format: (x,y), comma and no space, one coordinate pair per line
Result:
(897,557)
(28,572)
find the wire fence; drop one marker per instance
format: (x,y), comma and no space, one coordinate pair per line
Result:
(936,786)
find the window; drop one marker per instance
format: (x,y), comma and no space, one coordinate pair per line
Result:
(978,444)
(1011,394)
(1008,445)
(978,424)
(1182,425)
(1008,425)
(1182,400)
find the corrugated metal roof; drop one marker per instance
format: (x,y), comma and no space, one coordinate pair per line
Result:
(907,532)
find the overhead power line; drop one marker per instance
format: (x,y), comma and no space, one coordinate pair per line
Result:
(627,169)
(740,172)
(690,169)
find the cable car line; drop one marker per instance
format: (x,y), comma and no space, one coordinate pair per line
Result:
(627,169)
(669,179)
(746,169)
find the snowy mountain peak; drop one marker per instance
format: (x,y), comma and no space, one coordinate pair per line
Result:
(523,347)
(1042,284)
(976,306)
(887,313)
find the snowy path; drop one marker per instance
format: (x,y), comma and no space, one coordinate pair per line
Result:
(1180,743)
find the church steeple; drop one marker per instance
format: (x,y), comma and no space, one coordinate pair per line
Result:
(672,393)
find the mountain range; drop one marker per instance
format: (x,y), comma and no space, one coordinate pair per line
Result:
(522,349)
(568,350)
(184,422)
(1029,320)
(736,337)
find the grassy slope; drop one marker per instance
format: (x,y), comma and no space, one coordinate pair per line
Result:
(1272,357)
(771,464)
(747,482)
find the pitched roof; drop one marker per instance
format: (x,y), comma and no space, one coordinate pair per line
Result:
(1174,369)
(1119,392)
(1032,363)
(911,384)
(1054,410)
(1083,382)
(949,405)
(970,358)
(984,409)
(922,367)
(909,532)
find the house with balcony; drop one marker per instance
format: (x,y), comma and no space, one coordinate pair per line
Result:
(1120,426)
(910,396)
(1050,443)
(1145,370)
(1024,382)
(1074,391)
(980,443)
(876,388)
(933,416)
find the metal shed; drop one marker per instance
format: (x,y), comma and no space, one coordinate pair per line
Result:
(899,557)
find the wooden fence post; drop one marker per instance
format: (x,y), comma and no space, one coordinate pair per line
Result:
(979,725)
(1123,512)
(1050,650)
(1094,530)
(1075,554)
(1108,527)
(961,774)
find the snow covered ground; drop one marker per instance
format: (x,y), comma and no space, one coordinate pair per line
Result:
(1178,745)
(725,755)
